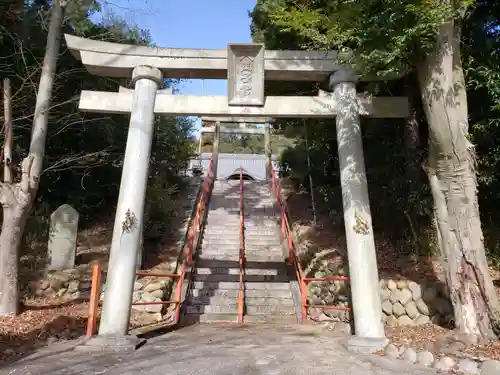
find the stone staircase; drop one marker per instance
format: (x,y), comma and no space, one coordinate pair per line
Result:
(213,292)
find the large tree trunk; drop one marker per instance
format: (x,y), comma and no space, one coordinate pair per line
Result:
(14,202)
(452,175)
(17,199)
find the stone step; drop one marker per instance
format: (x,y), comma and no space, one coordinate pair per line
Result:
(250,310)
(248,249)
(214,263)
(235,278)
(227,285)
(221,232)
(233,293)
(249,301)
(248,257)
(249,236)
(248,243)
(233,318)
(236,271)
(188,319)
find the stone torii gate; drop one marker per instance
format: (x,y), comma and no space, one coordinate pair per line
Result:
(235,125)
(245,66)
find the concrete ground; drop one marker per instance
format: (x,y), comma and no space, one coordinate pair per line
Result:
(221,350)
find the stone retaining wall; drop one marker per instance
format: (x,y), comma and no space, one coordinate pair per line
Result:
(404,302)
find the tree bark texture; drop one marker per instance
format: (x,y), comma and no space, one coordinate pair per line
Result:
(452,176)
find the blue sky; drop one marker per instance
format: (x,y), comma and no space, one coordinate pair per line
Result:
(190,24)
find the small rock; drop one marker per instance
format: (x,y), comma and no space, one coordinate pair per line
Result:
(391,351)
(416,290)
(382,283)
(385,294)
(154,286)
(391,285)
(391,321)
(465,338)
(402,284)
(468,367)
(422,307)
(404,320)
(159,293)
(444,364)
(56,283)
(62,292)
(43,284)
(50,292)
(387,307)
(411,309)
(490,368)
(73,286)
(137,286)
(456,346)
(410,355)
(405,296)
(425,358)
(398,309)
(394,297)
(147,297)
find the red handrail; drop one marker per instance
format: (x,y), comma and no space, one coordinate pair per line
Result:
(187,260)
(241,297)
(294,260)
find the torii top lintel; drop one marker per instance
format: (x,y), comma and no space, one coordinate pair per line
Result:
(118,60)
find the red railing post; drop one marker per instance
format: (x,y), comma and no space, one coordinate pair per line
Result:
(241,297)
(95,293)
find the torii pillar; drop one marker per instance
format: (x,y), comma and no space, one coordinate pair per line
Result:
(130,208)
(361,251)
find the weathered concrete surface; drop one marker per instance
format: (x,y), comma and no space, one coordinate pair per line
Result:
(117,60)
(223,350)
(274,106)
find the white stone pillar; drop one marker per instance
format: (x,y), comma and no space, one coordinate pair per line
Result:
(130,209)
(363,270)
(267,148)
(215,148)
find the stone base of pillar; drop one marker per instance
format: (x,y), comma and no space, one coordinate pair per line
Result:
(365,345)
(111,343)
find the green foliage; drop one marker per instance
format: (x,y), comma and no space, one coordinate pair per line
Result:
(379,37)
(384,37)
(84,151)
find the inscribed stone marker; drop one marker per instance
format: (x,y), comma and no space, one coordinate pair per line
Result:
(245,74)
(62,238)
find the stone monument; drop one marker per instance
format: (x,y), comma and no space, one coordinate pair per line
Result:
(62,238)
